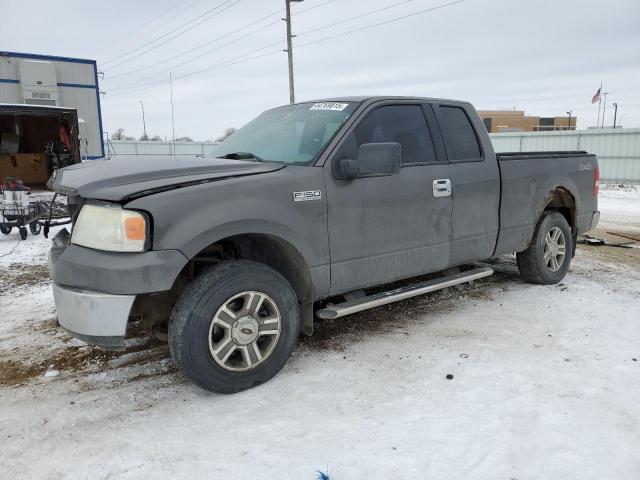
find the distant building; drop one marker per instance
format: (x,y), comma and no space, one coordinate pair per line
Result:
(516,121)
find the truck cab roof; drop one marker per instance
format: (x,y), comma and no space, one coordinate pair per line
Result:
(377,98)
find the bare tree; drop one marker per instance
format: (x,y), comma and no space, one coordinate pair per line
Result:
(227,133)
(144,137)
(156,138)
(184,139)
(118,134)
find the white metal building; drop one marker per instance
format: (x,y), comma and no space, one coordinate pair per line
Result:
(56,81)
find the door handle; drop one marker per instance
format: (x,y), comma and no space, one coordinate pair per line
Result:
(442,187)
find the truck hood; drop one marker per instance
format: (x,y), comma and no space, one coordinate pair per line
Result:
(128,176)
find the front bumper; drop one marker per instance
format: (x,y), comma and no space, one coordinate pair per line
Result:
(94,317)
(94,291)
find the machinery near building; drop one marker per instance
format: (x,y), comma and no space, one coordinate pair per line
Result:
(16,209)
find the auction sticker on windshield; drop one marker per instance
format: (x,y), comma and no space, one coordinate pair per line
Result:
(329,106)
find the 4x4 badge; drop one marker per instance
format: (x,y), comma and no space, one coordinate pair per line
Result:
(308,195)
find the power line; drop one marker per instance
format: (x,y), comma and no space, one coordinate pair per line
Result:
(313,42)
(161,26)
(213,41)
(204,45)
(153,47)
(145,25)
(211,67)
(305,10)
(218,66)
(330,37)
(203,54)
(366,14)
(213,10)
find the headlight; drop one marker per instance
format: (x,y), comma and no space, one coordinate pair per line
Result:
(110,228)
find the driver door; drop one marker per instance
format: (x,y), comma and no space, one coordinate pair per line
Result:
(386,228)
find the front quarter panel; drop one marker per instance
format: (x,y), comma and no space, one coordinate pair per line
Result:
(192,218)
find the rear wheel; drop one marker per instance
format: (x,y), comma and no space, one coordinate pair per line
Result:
(5,229)
(234,326)
(22,231)
(548,257)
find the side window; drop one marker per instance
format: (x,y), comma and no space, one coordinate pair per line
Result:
(465,144)
(404,124)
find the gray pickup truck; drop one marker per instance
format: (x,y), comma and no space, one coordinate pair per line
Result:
(316,209)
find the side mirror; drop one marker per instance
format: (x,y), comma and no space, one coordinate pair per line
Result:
(374,160)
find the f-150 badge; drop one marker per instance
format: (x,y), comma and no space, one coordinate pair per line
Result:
(306,196)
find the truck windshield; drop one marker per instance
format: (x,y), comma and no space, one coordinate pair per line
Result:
(294,134)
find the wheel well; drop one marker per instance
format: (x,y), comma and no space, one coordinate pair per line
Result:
(283,257)
(561,201)
(279,255)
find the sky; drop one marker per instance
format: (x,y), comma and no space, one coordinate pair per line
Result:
(545,56)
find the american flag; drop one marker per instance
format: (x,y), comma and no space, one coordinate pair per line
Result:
(596,97)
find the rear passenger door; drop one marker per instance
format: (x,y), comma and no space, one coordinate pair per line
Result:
(390,227)
(475,183)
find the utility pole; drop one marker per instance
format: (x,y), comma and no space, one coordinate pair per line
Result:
(604,107)
(289,50)
(615,113)
(144,124)
(569,122)
(173,127)
(599,104)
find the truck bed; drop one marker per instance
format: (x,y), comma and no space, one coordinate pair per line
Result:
(527,180)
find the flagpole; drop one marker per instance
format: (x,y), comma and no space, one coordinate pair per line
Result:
(599,104)
(604,107)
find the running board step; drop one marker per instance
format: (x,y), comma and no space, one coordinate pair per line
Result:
(395,295)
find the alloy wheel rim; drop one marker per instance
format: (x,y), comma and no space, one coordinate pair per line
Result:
(555,247)
(244,331)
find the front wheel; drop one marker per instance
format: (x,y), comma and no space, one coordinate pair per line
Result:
(548,257)
(234,326)
(22,232)
(5,229)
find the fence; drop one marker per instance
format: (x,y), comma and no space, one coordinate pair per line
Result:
(618,150)
(125,147)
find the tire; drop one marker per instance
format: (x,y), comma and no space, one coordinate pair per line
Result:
(35,227)
(5,229)
(200,326)
(542,262)
(22,231)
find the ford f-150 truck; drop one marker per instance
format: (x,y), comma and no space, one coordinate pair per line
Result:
(316,209)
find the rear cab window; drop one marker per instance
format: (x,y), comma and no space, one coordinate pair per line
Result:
(463,145)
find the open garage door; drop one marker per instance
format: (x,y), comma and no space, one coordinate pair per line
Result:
(35,140)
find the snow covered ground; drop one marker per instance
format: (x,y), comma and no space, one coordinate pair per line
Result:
(546,384)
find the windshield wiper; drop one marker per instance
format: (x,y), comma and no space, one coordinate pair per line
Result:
(242,156)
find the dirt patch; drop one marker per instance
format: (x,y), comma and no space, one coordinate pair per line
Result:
(629,257)
(16,373)
(18,275)
(75,359)
(13,372)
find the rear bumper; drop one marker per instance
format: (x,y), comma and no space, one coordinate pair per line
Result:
(94,317)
